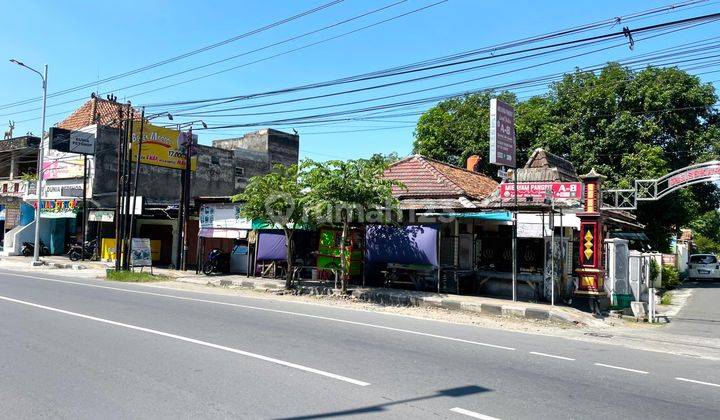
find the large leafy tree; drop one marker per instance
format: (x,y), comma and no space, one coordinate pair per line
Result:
(457,128)
(277,197)
(626,124)
(345,192)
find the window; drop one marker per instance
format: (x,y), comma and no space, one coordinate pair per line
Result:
(703,259)
(215,160)
(239,172)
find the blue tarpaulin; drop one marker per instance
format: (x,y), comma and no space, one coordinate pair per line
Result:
(413,244)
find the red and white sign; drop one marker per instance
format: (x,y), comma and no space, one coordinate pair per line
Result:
(560,190)
(694,174)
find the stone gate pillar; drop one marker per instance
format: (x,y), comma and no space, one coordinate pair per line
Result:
(590,271)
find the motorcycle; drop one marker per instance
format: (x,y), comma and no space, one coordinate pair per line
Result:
(217,262)
(28,249)
(89,251)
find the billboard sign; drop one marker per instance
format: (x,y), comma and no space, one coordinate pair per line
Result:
(223,216)
(502,133)
(160,147)
(72,141)
(69,167)
(538,190)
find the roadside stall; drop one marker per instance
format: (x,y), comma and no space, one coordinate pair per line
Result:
(222,228)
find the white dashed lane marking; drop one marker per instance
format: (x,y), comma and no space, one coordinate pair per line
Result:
(698,382)
(472,414)
(622,368)
(191,340)
(552,356)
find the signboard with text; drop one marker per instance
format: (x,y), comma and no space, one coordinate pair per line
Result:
(538,190)
(223,216)
(160,147)
(73,141)
(141,254)
(502,133)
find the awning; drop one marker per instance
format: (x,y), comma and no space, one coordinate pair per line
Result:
(631,236)
(502,216)
(223,233)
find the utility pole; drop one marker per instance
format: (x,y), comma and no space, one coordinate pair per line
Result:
(137,170)
(41,151)
(84,204)
(514,238)
(127,232)
(181,217)
(186,197)
(118,192)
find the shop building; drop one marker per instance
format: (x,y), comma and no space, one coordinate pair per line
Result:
(222,171)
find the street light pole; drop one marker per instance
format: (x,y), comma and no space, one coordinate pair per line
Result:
(39,171)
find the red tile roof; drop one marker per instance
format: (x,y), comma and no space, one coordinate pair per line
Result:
(96,111)
(425,177)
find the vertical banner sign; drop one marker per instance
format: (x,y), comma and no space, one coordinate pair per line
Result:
(502,133)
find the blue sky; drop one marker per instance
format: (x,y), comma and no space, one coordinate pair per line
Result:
(83,41)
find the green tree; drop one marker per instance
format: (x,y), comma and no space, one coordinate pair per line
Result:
(626,124)
(459,127)
(277,197)
(345,192)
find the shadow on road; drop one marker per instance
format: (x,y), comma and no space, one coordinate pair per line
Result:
(452,392)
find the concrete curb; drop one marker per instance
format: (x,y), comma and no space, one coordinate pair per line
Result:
(398,298)
(389,297)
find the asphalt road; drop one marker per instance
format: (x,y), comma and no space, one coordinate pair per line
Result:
(96,349)
(701,314)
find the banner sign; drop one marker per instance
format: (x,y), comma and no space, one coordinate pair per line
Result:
(560,190)
(71,167)
(694,175)
(101,216)
(223,216)
(141,255)
(72,141)
(58,209)
(161,147)
(502,133)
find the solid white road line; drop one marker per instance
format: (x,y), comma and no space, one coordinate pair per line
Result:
(553,356)
(192,340)
(257,308)
(622,368)
(472,414)
(698,382)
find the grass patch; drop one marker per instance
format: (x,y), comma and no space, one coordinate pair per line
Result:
(666,299)
(134,277)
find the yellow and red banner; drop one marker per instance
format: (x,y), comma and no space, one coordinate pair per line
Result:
(161,147)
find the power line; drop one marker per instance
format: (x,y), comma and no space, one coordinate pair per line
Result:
(185,55)
(650,28)
(251,62)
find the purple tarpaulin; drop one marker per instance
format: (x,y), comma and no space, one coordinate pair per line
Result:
(412,244)
(271,246)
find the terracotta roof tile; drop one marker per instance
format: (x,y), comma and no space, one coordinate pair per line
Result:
(425,177)
(95,111)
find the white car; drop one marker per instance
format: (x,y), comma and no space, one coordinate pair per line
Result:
(703,267)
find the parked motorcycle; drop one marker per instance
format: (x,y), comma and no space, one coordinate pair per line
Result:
(217,262)
(89,251)
(28,249)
